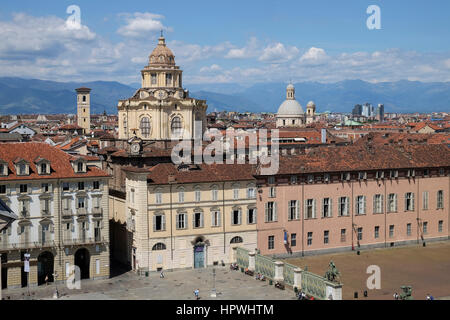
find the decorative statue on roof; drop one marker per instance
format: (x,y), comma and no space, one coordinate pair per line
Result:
(333,273)
(407,293)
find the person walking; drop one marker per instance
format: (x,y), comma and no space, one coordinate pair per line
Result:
(196,293)
(161,275)
(396,296)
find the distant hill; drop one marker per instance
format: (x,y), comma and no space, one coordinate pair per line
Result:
(39,96)
(19,95)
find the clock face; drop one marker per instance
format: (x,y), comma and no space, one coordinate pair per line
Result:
(135,148)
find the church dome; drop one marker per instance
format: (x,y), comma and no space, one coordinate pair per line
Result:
(290,107)
(162,55)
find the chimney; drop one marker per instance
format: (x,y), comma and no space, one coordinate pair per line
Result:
(324,135)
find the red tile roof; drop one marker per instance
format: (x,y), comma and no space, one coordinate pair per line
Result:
(59,161)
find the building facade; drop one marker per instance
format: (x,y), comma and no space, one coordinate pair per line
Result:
(161,109)
(62,208)
(189,216)
(318,203)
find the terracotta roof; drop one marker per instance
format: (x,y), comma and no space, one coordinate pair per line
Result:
(368,157)
(59,161)
(161,173)
(404,138)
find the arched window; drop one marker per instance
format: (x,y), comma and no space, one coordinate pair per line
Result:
(145,127)
(84,98)
(176,127)
(236,240)
(159,246)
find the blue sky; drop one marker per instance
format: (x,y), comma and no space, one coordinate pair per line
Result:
(230,41)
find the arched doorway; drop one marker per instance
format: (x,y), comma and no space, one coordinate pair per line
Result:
(82,260)
(199,253)
(45,267)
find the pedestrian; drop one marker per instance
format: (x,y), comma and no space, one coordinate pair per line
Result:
(161,275)
(430,297)
(46,279)
(396,296)
(196,293)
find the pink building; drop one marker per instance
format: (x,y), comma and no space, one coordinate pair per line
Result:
(339,198)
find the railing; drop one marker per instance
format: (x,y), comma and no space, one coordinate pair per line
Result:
(314,285)
(81,241)
(265,266)
(27,245)
(242,257)
(288,273)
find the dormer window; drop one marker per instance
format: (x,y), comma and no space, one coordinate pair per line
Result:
(80,167)
(22,167)
(42,166)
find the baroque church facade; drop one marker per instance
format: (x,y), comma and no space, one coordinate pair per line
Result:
(161,109)
(291,114)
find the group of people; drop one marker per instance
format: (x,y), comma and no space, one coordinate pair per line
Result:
(260,276)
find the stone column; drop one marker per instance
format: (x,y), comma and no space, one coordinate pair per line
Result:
(251,261)
(279,271)
(298,278)
(334,291)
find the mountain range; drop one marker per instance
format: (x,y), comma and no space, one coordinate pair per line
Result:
(28,96)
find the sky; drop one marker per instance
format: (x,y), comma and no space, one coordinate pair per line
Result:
(240,42)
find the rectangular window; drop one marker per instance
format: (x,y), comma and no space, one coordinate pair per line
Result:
(181,221)
(380,174)
(66,186)
(377,232)
(272,192)
(2,189)
(360,234)
(361,205)
(215,218)
(326,208)
(440,225)
(391,231)
(393,174)
(251,214)
(96,185)
(81,185)
(326,235)
(235,193)
(159,222)
(378,203)
(198,220)
(81,203)
(293,179)
(158,197)
(168,79)
(440,199)
(425,227)
(344,206)
(293,210)
(409,201)
(271,242)
(310,238)
(310,209)
(45,187)
(181,196)
(425,200)
(215,194)
(392,204)
(271,180)
(198,195)
(251,194)
(343,237)
(362,175)
(97,231)
(271,211)
(408,229)
(293,239)
(23,188)
(154,78)
(426,172)
(236,217)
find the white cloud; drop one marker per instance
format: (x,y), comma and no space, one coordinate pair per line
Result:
(249,51)
(211,68)
(278,53)
(140,24)
(314,56)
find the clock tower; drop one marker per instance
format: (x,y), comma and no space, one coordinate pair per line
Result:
(161,109)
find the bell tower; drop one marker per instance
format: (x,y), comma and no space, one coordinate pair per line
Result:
(84,109)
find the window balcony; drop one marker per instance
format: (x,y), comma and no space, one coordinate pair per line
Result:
(84,241)
(81,211)
(27,245)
